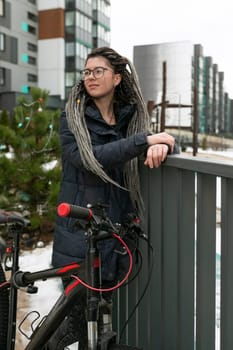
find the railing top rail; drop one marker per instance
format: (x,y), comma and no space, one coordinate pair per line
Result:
(217,167)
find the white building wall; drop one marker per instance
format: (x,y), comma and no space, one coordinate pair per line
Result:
(51,56)
(51,62)
(50,4)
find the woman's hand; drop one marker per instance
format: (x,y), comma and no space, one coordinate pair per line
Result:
(161,137)
(156,154)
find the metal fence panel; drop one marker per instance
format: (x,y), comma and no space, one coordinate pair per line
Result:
(180,201)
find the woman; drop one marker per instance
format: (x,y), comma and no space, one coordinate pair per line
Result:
(103,131)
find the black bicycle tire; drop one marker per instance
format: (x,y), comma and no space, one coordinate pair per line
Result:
(4,308)
(122,347)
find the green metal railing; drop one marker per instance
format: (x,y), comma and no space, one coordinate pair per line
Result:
(178,311)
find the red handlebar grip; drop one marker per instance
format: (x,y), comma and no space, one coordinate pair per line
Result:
(74,211)
(63,209)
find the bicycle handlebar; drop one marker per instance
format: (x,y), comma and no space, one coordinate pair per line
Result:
(74,211)
(12,217)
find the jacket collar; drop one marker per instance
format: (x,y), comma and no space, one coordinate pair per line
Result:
(95,120)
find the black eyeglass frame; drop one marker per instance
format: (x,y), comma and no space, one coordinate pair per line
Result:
(86,73)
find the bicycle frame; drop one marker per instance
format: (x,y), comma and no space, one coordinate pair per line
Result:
(67,299)
(61,308)
(87,271)
(24,279)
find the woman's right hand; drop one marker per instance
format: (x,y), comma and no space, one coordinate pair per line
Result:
(163,138)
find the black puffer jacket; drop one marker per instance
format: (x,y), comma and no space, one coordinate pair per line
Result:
(81,187)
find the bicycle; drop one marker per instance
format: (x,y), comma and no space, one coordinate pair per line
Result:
(97,227)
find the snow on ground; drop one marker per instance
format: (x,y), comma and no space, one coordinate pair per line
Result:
(48,291)
(39,259)
(210,153)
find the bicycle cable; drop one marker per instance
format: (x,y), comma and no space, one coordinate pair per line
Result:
(4,284)
(118,285)
(126,277)
(144,291)
(139,268)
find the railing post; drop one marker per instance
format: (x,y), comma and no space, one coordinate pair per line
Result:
(206,262)
(227,265)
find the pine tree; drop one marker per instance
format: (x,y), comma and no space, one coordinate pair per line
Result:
(29,158)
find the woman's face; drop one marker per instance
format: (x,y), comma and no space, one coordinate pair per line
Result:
(99,78)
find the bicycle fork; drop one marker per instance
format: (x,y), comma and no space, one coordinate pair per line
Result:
(98,339)
(93,297)
(92,324)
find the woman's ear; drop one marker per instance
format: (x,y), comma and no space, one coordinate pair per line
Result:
(117,79)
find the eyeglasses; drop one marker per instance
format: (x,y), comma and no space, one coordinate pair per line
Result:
(97,72)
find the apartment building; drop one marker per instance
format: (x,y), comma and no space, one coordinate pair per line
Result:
(18,49)
(190,78)
(44,43)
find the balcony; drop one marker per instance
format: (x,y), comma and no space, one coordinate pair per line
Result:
(189,221)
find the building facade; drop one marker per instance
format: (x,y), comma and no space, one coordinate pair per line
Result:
(190,79)
(44,43)
(148,60)
(68,30)
(18,49)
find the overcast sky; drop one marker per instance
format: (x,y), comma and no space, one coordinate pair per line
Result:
(205,22)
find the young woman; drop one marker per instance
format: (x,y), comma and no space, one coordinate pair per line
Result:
(104,129)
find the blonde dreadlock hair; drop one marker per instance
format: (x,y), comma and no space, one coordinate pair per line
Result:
(128,91)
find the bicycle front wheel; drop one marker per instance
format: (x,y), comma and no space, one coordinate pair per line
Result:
(4,307)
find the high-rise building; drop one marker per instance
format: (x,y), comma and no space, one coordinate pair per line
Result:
(68,30)
(18,49)
(149,59)
(208,97)
(44,43)
(190,78)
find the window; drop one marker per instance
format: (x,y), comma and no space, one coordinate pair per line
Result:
(31,60)
(2,7)
(32,78)
(2,76)
(70,78)
(70,18)
(27,28)
(28,59)
(70,62)
(70,49)
(2,41)
(32,47)
(32,17)
(70,4)
(31,29)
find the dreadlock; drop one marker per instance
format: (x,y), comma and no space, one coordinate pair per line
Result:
(128,91)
